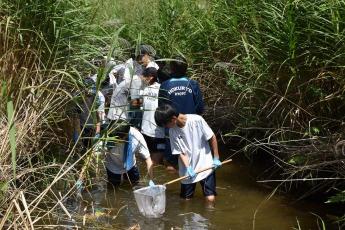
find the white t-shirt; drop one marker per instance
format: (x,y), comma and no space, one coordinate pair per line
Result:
(192,140)
(152,64)
(116,75)
(150,104)
(133,73)
(128,84)
(137,72)
(114,158)
(119,101)
(132,68)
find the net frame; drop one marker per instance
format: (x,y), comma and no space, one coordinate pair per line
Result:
(151,200)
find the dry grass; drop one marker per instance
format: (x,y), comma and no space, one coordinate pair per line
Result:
(38,73)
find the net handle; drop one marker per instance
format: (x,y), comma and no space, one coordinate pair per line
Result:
(198,171)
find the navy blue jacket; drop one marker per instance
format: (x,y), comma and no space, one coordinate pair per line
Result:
(182,93)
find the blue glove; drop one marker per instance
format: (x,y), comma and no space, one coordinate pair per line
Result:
(216,163)
(97,136)
(75,136)
(191,172)
(79,185)
(151,183)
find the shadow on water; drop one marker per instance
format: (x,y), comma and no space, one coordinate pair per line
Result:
(241,204)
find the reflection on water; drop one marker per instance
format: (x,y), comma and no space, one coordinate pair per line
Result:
(241,204)
(194,221)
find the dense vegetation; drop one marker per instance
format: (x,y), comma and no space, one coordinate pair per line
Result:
(273,69)
(46,46)
(271,72)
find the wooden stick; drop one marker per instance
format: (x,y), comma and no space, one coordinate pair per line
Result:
(198,171)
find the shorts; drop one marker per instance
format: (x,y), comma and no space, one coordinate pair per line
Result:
(208,186)
(132,175)
(155,144)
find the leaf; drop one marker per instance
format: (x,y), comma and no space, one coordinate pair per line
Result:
(297,160)
(338,198)
(12,135)
(3,186)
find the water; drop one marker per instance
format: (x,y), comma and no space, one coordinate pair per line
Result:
(242,203)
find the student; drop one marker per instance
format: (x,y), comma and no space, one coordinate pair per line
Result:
(183,93)
(180,91)
(194,142)
(145,58)
(121,91)
(120,161)
(153,134)
(91,110)
(125,99)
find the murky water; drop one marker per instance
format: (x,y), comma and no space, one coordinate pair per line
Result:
(241,204)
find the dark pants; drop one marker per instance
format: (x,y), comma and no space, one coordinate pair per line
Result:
(87,137)
(208,186)
(132,175)
(135,116)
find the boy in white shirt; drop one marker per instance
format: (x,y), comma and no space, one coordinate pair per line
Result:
(193,140)
(153,134)
(120,161)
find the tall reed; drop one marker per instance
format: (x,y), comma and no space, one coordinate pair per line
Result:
(46,48)
(277,67)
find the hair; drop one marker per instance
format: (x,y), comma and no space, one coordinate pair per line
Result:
(178,66)
(119,128)
(143,50)
(150,72)
(133,53)
(162,75)
(164,114)
(160,62)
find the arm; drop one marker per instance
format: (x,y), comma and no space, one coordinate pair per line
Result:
(185,159)
(149,167)
(144,152)
(214,146)
(190,171)
(100,115)
(98,127)
(136,102)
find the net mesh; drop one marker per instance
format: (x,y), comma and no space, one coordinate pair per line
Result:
(151,200)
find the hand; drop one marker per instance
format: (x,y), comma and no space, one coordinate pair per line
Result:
(151,183)
(97,136)
(216,163)
(191,172)
(79,185)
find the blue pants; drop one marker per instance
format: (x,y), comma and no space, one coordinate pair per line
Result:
(208,186)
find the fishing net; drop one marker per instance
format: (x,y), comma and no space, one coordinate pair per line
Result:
(151,200)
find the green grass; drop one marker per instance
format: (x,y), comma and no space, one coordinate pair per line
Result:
(272,69)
